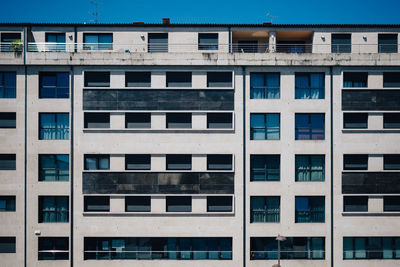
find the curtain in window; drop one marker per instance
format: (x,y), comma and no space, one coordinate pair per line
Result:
(63,167)
(47,168)
(258,209)
(302,168)
(317,85)
(302,210)
(317,209)
(273,209)
(257,126)
(47,126)
(317,126)
(257,86)
(272,166)
(317,168)
(272,86)
(302,84)
(49,209)
(273,127)
(63,126)
(302,127)
(62,208)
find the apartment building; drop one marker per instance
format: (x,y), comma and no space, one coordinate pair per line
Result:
(198,144)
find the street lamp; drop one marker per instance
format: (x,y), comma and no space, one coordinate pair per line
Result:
(279,238)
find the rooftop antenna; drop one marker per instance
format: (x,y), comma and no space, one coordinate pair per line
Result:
(270,17)
(96,13)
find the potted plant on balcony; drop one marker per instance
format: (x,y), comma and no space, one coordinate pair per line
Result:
(16,45)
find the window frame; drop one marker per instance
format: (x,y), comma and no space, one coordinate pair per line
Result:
(208,45)
(8,84)
(319,215)
(309,129)
(100,120)
(146,82)
(8,120)
(104,82)
(143,166)
(345,47)
(176,158)
(351,80)
(178,203)
(99,45)
(266,130)
(97,158)
(56,168)
(265,158)
(9,203)
(309,168)
(61,133)
(144,203)
(266,89)
(310,91)
(57,209)
(57,252)
(137,120)
(91,200)
(56,87)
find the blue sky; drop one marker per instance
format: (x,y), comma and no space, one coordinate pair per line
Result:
(204,11)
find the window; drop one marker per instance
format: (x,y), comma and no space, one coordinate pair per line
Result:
(310,209)
(56,42)
(53,126)
(7,203)
(391,79)
(387,43)
(265,167)
(391,120)
(219,120)
(179,204)
(309,85)
(391,203)
(391,162)
(53,167)
(137,120)
(137,204)
(138,79)
(306,248)
(208,41)
(219,79)
(179,120)
(371,248)
(97,120)
(219,162)
(7,162)
(310,168)
(53,209)
(7,38)
(355,162)
(265,209)
(355,79)
(54,85)
(158,42)
(158,248)
(179,162)
(341,43)
(355,203)
(265,126)
(8,85)
(53,248)
(310,126)
(8,120)
(97,203)
(97,79)
(97,41)
(219,204)
(137,162)
(265,85)
(7,244)
(97,162)
(355,120)
(179,79)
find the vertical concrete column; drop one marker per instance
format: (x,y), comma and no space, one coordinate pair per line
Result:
(272,42)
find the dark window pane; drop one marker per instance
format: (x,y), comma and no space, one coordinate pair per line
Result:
(97,41)
(355,120)
(8,85)
(138,79)
(8,162)
(219,204)
(56,42)
(137,162)
(137,120)
(387,43)
(53,248)
(97,162)
(219,120)
(219,162)
(391,120)
(179,162)
(391,203)
(7,244)
(179,204)
(355,203)
(97,204)
(208,41)
(310,168)
(265,85)
(265,126)
(53,126)
(219,79)
(310,126)
(179,120)
(391,79)
(264,167)
(310,209)
(264,209)
(355,162)
(355,79)
(53,209)
(8,120)
(179,79)
(341,43)
(54,85)
(97,120)
(7,203)
(97,79)
(158,42)
(309,85)
(137,204)
(53,167)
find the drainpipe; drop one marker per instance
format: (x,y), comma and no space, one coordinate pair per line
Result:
(229,40)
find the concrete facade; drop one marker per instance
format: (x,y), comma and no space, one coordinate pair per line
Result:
(241,50)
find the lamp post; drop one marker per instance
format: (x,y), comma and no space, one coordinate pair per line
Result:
(279,238)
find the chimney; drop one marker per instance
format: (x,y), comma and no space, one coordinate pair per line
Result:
(165,21)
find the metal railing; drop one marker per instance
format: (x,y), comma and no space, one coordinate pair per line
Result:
(11,47)
(287,254)
(262,215)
